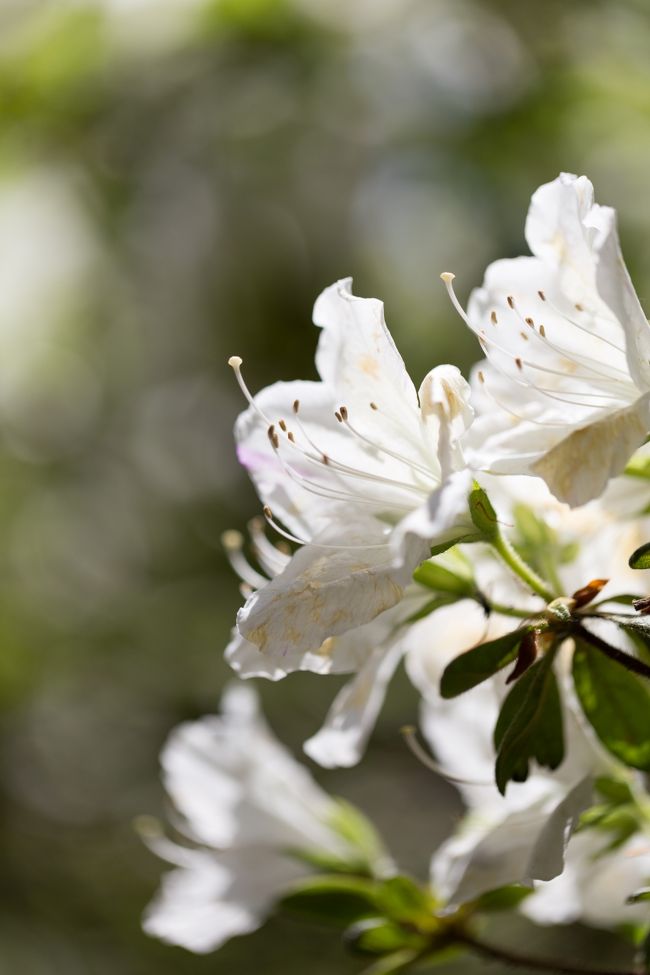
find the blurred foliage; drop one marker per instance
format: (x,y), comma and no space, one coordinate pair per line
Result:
(178,181)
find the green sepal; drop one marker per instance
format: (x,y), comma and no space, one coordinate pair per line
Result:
(477,664)
(440,579)
(530,725)
(616,703)
(482,513)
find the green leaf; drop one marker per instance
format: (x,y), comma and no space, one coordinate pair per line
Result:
(430,607)
(459,540)
(402,899)
(399,961)
(529,725)
(438,578)
(639,896)
(479,663)
(640,558)
(334,899)
(377,936)
(616,702)
(482,513)
(502,899)
(357,830)
(616,791)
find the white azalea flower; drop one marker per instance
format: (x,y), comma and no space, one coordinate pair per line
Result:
(565,391)
(364,474)
(244,805)
(372,650)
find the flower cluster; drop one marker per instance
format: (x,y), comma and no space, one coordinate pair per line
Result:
(493,536)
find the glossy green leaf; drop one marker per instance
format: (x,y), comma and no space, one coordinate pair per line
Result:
(640,558)
(480,662)
(529,725)
(616,702)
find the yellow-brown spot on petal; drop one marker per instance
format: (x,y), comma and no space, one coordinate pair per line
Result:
(370,366)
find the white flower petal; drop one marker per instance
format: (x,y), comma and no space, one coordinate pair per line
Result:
(342,740)
(579,467)
(324,592)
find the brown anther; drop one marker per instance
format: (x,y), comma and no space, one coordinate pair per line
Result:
(578,306)
(338,416)
(529,321)
(524,336)
(542,295)
(296,405)
(273,437)
(343,410)
(267,511)
(481,377)
(493,317)
(519,364)
(282,426)
(542,331)
(373,406)
(511,301)
(325,459)
(588,592)
(291,437)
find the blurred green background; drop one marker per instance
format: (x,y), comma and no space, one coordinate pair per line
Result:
(178,181)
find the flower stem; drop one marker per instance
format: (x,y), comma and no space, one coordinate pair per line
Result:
(619,656)
(515,562)
(520,614)
(518,960)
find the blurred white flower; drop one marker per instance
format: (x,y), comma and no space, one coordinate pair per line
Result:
(596,883)
(503,839)
(246,812)
(565,391)
(364,473)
